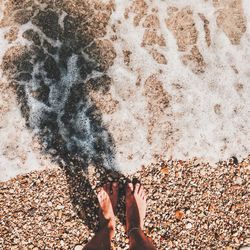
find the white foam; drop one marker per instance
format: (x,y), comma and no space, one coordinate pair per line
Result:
(197,130)
(17,155)
(200,132)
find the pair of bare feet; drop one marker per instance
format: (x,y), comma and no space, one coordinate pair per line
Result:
(135,214)
(135,206)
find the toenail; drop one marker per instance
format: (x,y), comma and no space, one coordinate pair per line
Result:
(130,187)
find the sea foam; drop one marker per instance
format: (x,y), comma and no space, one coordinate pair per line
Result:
(170,95)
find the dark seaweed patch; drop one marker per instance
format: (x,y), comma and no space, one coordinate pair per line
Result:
(54,75)
(51,68)
(33,36)
(47,21)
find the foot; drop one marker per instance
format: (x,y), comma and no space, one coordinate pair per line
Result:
(135,206)
(107,197)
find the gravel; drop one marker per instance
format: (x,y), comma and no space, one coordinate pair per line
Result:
(191,205)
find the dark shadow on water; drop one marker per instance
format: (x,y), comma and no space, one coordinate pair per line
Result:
(54,78)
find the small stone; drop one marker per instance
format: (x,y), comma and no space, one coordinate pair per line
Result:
(110,178)
(60,214)
(12,191)
(189,226)
(179,214)
(164,170)
(59,207)
(49,204)
(14,248)
(247,241)
(238,181)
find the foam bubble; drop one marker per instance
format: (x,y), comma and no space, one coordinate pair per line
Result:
(168,93)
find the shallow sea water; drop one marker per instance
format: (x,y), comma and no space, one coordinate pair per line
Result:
(123,84)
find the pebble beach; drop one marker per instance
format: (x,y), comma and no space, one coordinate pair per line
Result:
(98,91)
(190,206)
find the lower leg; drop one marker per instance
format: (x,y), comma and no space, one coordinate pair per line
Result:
(107,198)
(101,241)
(135,215)
(139,241)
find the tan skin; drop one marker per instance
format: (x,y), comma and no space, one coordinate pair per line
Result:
(135,215)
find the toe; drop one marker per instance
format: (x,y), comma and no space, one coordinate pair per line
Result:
(104,195)
(114,187)
(105,187)
(101,191)
(142,192)
(108,190)
(137,188)
(114,196)
(100,194)
(129,189)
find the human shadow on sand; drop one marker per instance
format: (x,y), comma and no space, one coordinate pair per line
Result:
(53,70)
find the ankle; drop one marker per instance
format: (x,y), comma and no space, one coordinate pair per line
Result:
(133,230)
(110,227)
(132,225)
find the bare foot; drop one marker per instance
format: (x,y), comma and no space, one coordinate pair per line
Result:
(107,197)
(135,206)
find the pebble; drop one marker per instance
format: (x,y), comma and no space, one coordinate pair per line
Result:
(49,204)
(110,178)
(238,181)
(78,247)
(59,207)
